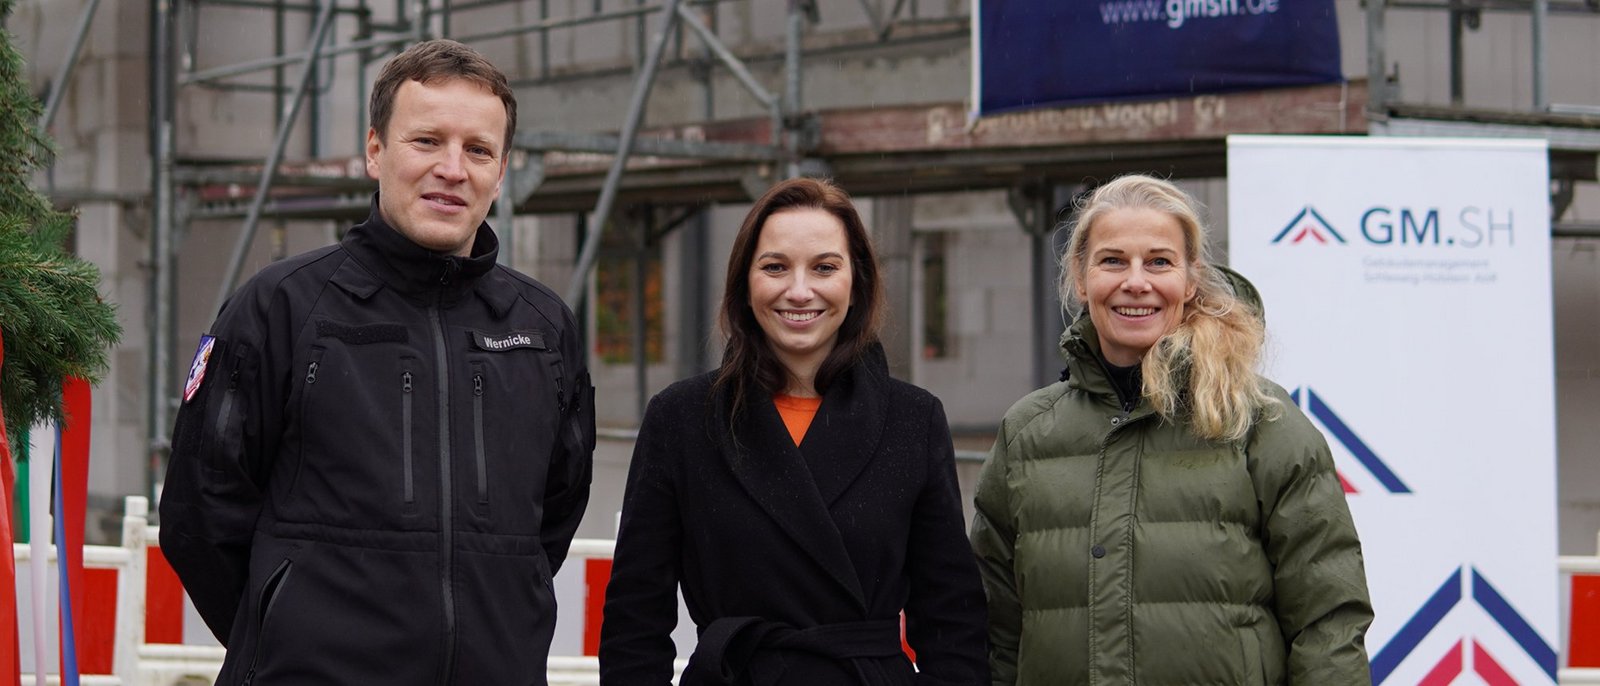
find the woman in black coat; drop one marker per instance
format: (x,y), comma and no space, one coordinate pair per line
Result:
(800,496)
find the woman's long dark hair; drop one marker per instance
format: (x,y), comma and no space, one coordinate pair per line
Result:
(748,363)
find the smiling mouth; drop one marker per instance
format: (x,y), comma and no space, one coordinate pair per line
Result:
(445,199)
(1134,311)
(799,316)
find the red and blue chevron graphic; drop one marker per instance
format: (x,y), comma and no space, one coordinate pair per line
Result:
(1453,664)
(1318,409)
(1308,224)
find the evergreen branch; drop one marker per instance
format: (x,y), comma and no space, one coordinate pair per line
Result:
(53,320)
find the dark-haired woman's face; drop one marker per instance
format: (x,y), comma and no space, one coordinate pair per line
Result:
(800,286)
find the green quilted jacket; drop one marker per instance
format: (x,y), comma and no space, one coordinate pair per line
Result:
(1120,549)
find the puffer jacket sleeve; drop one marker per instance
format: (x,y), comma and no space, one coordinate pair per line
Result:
(1319,578)
(994,535)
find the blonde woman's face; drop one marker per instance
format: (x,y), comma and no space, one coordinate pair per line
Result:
(1135,281)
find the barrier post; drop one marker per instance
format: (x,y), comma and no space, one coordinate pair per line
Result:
(131,590)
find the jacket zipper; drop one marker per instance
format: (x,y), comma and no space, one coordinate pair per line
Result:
(1125,404)
(561,397)
(446,495)
(274,586)
(227,402)
(405,435)
(1118,423)
(477,437)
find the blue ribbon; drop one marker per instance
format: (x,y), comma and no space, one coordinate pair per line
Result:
(69,643)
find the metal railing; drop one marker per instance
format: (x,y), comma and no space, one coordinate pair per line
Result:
(1464,16)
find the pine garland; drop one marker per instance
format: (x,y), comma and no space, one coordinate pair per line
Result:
(55,324)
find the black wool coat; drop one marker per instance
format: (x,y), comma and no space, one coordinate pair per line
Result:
(795,562)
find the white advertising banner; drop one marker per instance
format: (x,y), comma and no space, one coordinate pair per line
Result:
(1407,292)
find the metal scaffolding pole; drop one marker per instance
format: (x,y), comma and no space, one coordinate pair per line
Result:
(694,245)
(546,24)
(265,63)
(873,19)
(420,29)
(162,72)
(1046,243)
(638,316)
(248,234)
(605,143)
(1541,15)
(506,212)
(1458,26)
(726,56)
(630,129)
(58,87)
(740,72)
(791,89)
(1377,86)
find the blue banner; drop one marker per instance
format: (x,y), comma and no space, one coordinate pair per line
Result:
(1034,53)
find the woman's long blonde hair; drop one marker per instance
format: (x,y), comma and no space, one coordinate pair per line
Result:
(1206,367)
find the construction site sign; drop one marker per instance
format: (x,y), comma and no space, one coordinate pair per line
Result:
(1035,53)
(1407,289)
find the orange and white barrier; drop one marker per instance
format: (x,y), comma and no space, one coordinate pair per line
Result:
(139,631)
(1580,619)
(124,605)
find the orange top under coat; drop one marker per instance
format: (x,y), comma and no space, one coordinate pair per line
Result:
(797,413)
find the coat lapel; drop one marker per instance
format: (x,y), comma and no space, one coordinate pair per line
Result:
(845,433)
(771,469)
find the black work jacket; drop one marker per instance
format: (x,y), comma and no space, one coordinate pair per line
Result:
(795,562)
(381,466)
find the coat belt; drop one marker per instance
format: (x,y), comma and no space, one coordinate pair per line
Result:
(732,646)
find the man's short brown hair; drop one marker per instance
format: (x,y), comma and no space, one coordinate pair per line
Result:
(432,62)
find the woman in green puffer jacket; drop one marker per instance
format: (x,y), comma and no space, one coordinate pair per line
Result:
(1165,516)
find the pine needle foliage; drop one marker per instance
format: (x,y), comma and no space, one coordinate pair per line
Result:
(52,317)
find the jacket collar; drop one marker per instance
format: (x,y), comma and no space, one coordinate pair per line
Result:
(842,440)
(411,269)
(1086,370)
(1080,347)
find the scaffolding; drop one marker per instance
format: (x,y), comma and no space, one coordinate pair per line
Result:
(339,189)
(1039,157)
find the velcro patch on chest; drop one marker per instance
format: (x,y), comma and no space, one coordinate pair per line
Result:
(361,334)
(511,340)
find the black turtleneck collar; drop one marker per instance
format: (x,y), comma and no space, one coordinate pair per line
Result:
(413,269)
(1127,381)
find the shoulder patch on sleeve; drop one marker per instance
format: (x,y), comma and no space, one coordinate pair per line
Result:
(197,367)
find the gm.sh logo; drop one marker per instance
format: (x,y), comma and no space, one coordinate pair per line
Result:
(1308,225)
(1312,404)
(1455,661)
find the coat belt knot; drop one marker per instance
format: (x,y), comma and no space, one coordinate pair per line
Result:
(732,646)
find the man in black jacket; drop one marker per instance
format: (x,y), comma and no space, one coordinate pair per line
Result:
(384,446)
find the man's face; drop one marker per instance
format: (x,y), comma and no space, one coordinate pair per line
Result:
(441,163)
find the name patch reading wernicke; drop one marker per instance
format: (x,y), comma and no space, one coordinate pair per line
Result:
(508,341)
